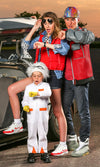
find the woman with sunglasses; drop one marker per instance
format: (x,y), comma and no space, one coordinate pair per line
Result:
(51,51)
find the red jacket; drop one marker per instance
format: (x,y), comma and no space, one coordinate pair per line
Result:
(53,61)
(78,65)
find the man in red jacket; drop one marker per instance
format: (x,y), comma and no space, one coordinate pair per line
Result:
(78,74)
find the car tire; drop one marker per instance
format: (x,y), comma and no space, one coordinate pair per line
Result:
(53,126)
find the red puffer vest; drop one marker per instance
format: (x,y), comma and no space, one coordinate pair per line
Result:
(78,65)
(52,61)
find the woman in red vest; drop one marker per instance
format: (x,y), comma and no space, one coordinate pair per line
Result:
(51,51)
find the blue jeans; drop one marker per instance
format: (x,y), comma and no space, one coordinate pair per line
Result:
(80,93)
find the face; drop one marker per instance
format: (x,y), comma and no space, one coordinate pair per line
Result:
(37,77)
(48,24)
(71,23)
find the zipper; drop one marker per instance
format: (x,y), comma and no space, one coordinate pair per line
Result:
(72,69)
(82,51)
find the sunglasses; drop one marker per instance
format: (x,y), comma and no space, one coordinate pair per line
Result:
(50,21)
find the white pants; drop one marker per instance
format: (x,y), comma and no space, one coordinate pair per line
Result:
(37,121)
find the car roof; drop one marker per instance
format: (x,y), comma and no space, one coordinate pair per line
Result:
(16,23)
(15,27)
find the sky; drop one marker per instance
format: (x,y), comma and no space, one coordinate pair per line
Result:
(89,9)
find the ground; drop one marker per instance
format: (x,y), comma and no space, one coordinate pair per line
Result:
(16,155)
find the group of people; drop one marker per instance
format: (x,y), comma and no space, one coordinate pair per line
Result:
(61,56)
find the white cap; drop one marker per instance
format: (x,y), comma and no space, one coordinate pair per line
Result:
(39,66)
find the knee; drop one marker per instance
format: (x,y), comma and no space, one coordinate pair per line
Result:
(11,90)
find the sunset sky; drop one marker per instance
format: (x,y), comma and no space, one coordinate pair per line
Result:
(89,9)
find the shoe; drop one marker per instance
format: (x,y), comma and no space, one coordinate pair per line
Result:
(60,150)
(31,158)
(45,157)
(82,150)
(14,128)
(72,142)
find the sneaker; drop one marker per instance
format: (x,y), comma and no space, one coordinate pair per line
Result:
(60,150)
(72,142)
(45,157)
(31,158)
(82,150)
(14,128)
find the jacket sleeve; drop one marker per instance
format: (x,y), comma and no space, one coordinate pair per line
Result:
(25,101)
(82,36)
(63,48)
(45,92)
(28,44)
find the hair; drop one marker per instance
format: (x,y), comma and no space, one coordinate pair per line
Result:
(54,17)
(40,67)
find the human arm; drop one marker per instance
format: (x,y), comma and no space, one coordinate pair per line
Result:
(61,48)
(45,91)
(27,43)
(33,94)
(42,44)
(25,101)
(33,30)
(82,36)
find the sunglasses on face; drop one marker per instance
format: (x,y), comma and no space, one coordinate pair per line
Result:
(50,21)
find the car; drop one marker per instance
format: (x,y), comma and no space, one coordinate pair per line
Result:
(13,64)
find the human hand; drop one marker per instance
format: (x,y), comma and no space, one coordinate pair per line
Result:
(33,94)
(37,24)
(61,34)
(38,45)
(26,108)
(33,17)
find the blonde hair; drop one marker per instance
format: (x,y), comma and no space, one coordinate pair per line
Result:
(54,17)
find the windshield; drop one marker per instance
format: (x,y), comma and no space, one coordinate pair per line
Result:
(9,50)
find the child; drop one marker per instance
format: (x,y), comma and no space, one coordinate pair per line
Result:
(35,103)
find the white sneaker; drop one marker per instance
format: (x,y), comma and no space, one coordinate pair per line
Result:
(14,128)
(72,142)
(82,150)
(82,144)
(60,150)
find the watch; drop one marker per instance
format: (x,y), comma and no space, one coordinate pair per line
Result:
(44,44)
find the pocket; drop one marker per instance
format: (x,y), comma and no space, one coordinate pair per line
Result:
(78,54)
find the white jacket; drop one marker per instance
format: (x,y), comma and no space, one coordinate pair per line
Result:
(38,101)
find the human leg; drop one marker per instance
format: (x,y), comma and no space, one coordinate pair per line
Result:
(56,85)
(32,123)
(84,113)
(83,109)
(13,90)
(67,100)
(32,141)
(43,130)
(58,112)
(42,135)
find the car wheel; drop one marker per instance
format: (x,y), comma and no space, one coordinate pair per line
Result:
(53,126)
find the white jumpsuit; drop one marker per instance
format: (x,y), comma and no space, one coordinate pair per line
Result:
(37,118)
